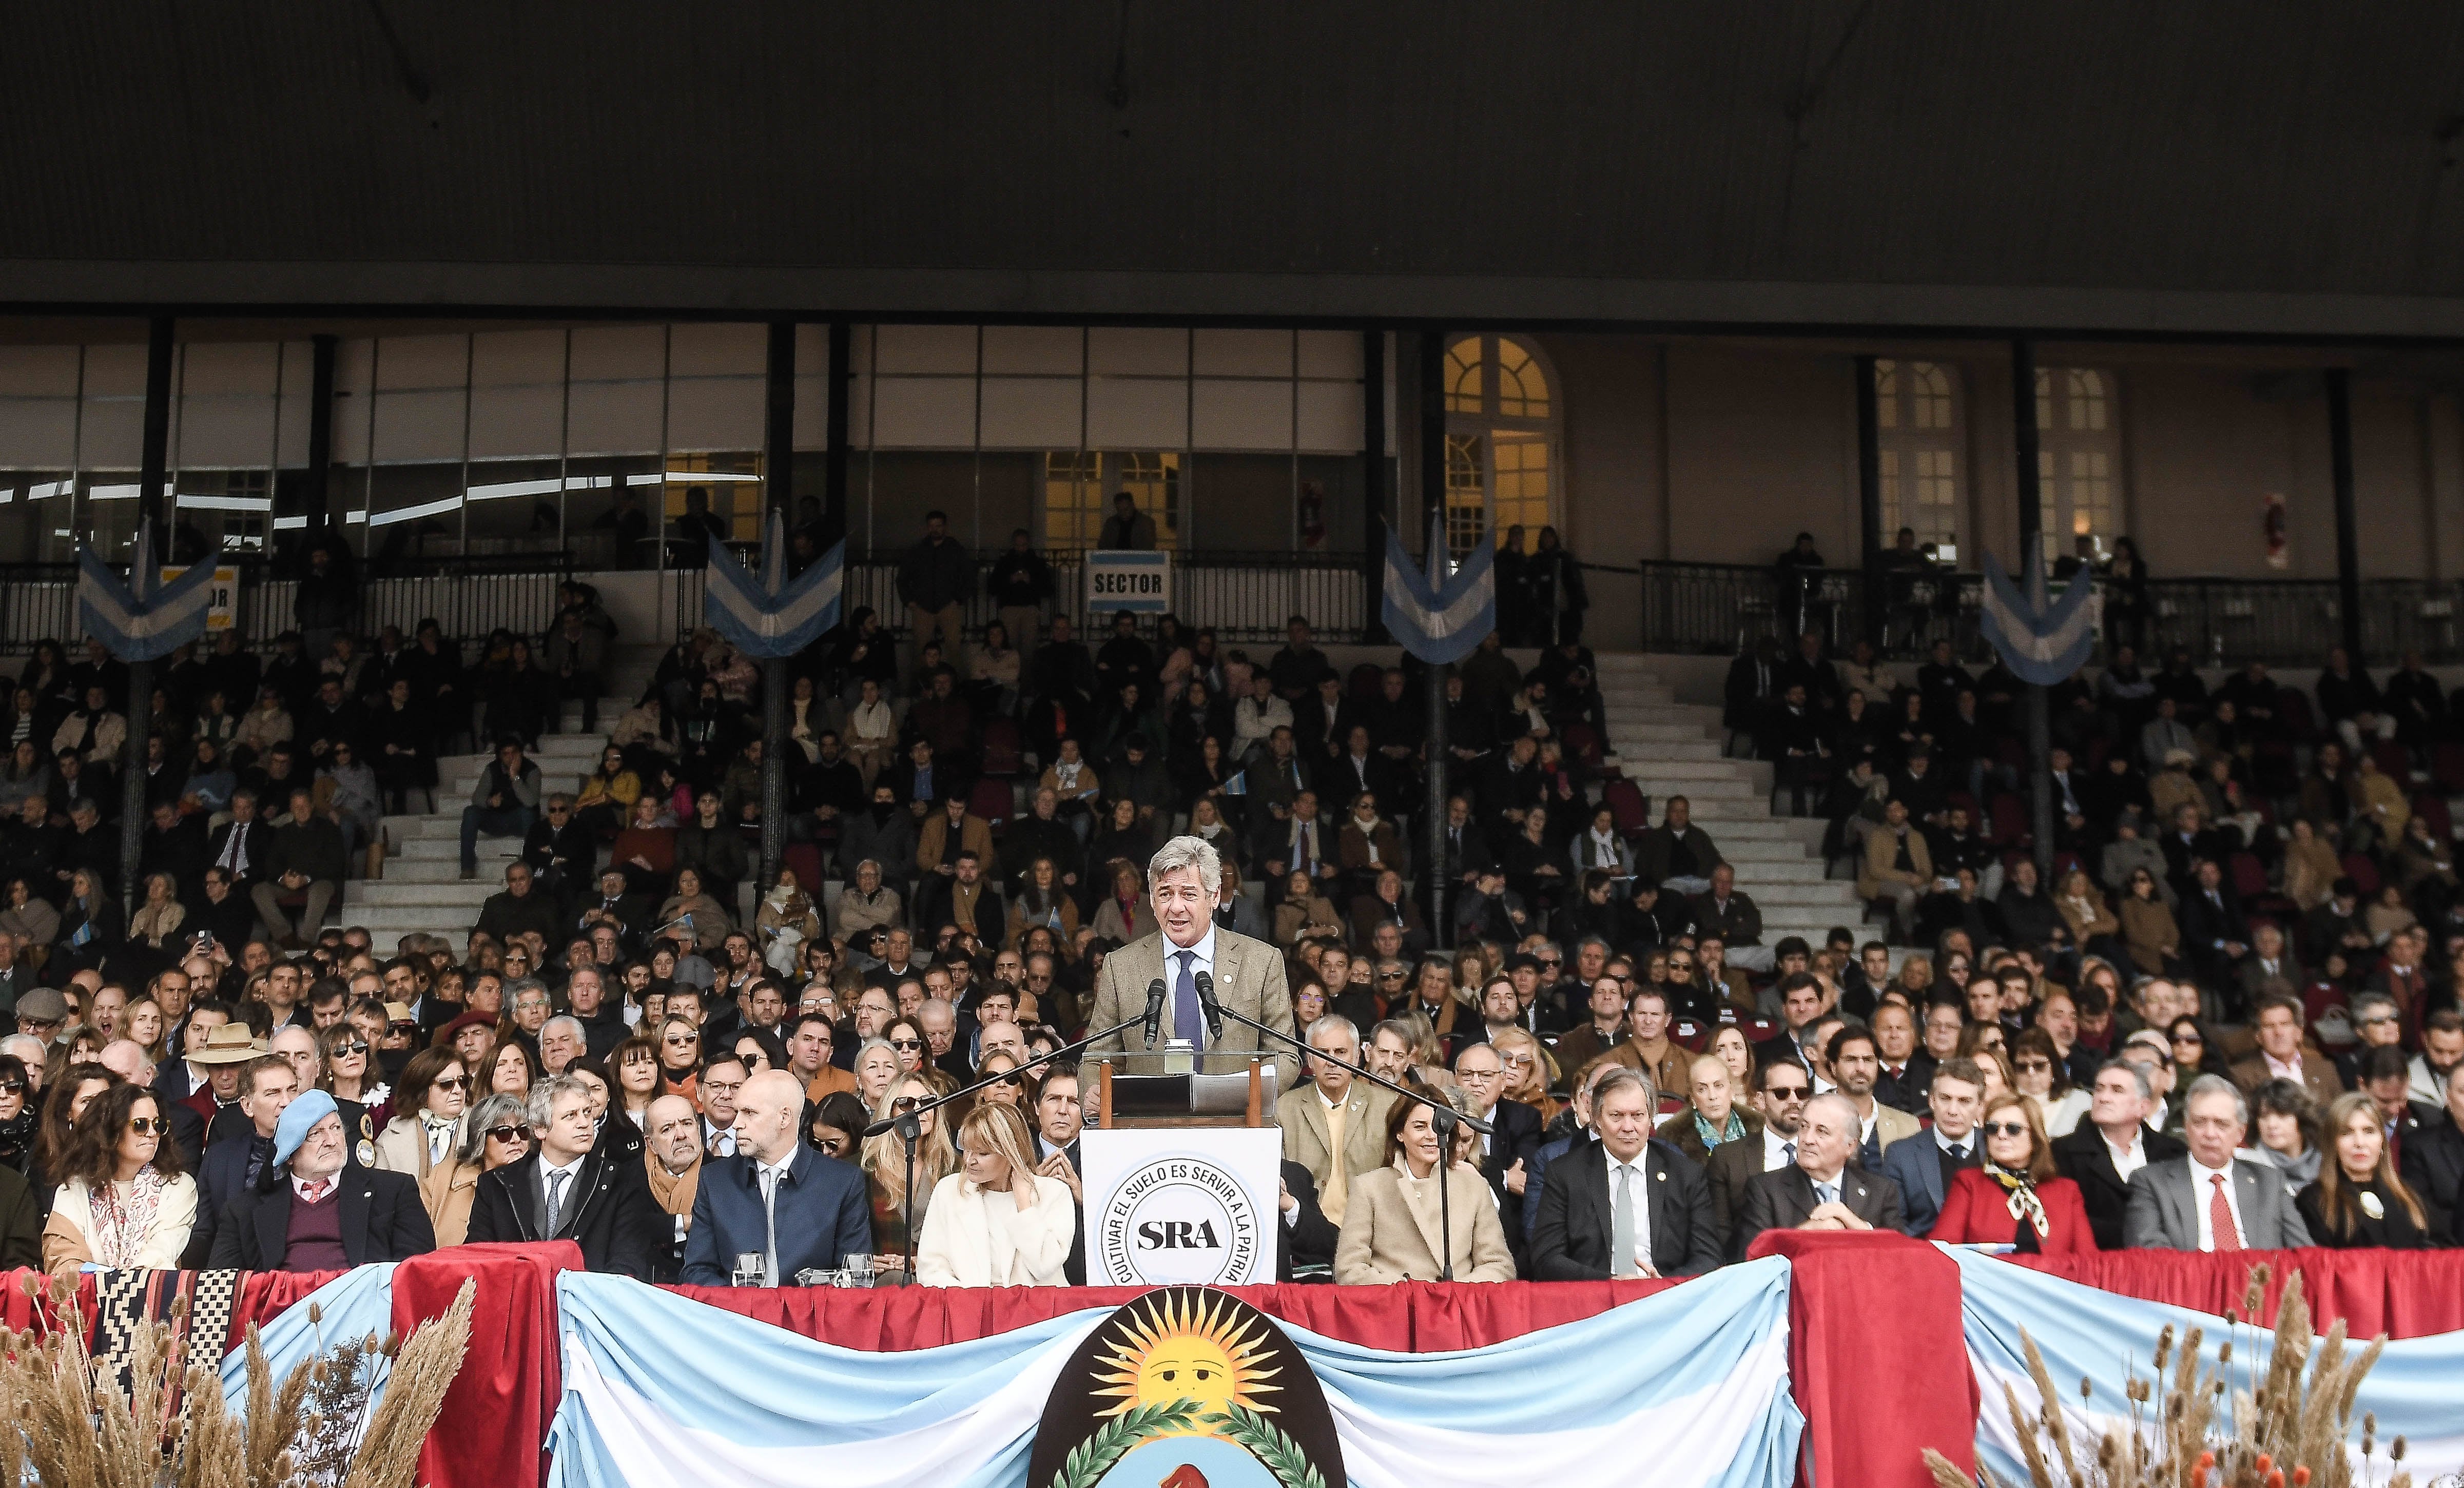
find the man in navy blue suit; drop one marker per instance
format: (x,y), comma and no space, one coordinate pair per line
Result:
(777,1197)
(1923,1169)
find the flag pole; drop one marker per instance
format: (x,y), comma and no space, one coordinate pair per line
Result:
(154,460)
(1434,681)
(777,480)
(2031,558)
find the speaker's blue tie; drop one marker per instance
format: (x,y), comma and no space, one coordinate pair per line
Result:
(1187,1022)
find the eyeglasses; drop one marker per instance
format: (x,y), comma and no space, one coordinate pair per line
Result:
(1550,960)
(451,1082)
(1390,976)
(906,1043)
(509,1133)
(2026,1065)
(149,1126)
(12,1088)
(2004,1128)
(1786,1092)
(352,1046)
(905,1103)
(681,1040)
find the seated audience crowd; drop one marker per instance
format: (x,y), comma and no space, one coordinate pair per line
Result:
(2226,1018)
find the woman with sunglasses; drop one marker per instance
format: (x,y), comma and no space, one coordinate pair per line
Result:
(885,1170)
(1005,1092)
(2045,1080)
(2016,1197)
(20,1121)
(2191,1050)
(429,1104)
(123,1201)
(498,1134)
(345,1051)
(680,1057)
(2357,1201)
(905,1037)
(834,1126)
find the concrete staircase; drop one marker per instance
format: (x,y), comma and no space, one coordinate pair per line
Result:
(1669,748)
(423,889)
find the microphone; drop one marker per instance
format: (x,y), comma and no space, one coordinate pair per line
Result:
(1213,1013)
(1154,1011)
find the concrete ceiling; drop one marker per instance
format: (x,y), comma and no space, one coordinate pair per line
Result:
(2088,167)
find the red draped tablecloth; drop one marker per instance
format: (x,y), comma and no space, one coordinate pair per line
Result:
(1874,1357)
(1408,1317)
(2403,1294)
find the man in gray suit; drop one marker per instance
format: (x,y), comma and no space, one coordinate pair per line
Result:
(1184,879)
(1923,1169)
(1824,1188)
(2207,1201)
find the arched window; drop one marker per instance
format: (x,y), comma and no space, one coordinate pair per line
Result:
(2078,460)
(1918,412)
(1502,440)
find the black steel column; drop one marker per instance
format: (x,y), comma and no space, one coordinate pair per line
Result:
(834,464)
(2348,550)
(1372,487)
(778,486)
(154,463)
(1869,501)
(2032,546)
(1433,502)
(320,436)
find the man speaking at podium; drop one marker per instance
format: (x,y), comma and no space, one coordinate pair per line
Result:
(1248,975)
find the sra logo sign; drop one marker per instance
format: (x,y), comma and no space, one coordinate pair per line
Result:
(1176,1220)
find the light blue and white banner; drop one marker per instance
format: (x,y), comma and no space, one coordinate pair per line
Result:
(1686,1389)
(2108,1340)
(352,1305)
(773,615)
(1437,616)
(142,619)
(2039,644)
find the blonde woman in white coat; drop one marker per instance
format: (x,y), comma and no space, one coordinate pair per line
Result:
(996,1222)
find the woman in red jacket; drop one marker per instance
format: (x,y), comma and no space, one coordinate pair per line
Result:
(2014,1199)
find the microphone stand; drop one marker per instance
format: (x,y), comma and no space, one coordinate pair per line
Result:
(1442,1115)
(910,1126)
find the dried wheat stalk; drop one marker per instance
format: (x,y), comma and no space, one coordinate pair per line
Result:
(2287,1429)
(77,1429)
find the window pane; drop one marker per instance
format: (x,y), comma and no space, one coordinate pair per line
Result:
(1462,375)
(1522,389)
(1466,491)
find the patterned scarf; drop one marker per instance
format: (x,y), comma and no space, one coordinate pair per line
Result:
(1734,1130)
(2023,1203)
(121,1222)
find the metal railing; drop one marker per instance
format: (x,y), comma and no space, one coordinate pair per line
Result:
(468,597)
(1247,598)
(1721,608)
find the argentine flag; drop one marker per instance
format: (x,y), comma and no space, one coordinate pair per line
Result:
(142,620)
(1438,617)
(773,616)
(2038,644)
(1685,1389)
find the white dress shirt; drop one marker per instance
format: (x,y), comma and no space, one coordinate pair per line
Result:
(1773,1158)
(2127,1160)
(566,1193)
(2203,1194)
(1635,1178)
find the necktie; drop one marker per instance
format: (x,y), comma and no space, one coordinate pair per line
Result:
(2220,1216)
(1826,1193)
(1337,1181)
(318,1191)
(1787,1151)
(555,1201)
(770,1226)
(1186,1022)
(1307,856)
(1959,1151)
(1622,1224)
